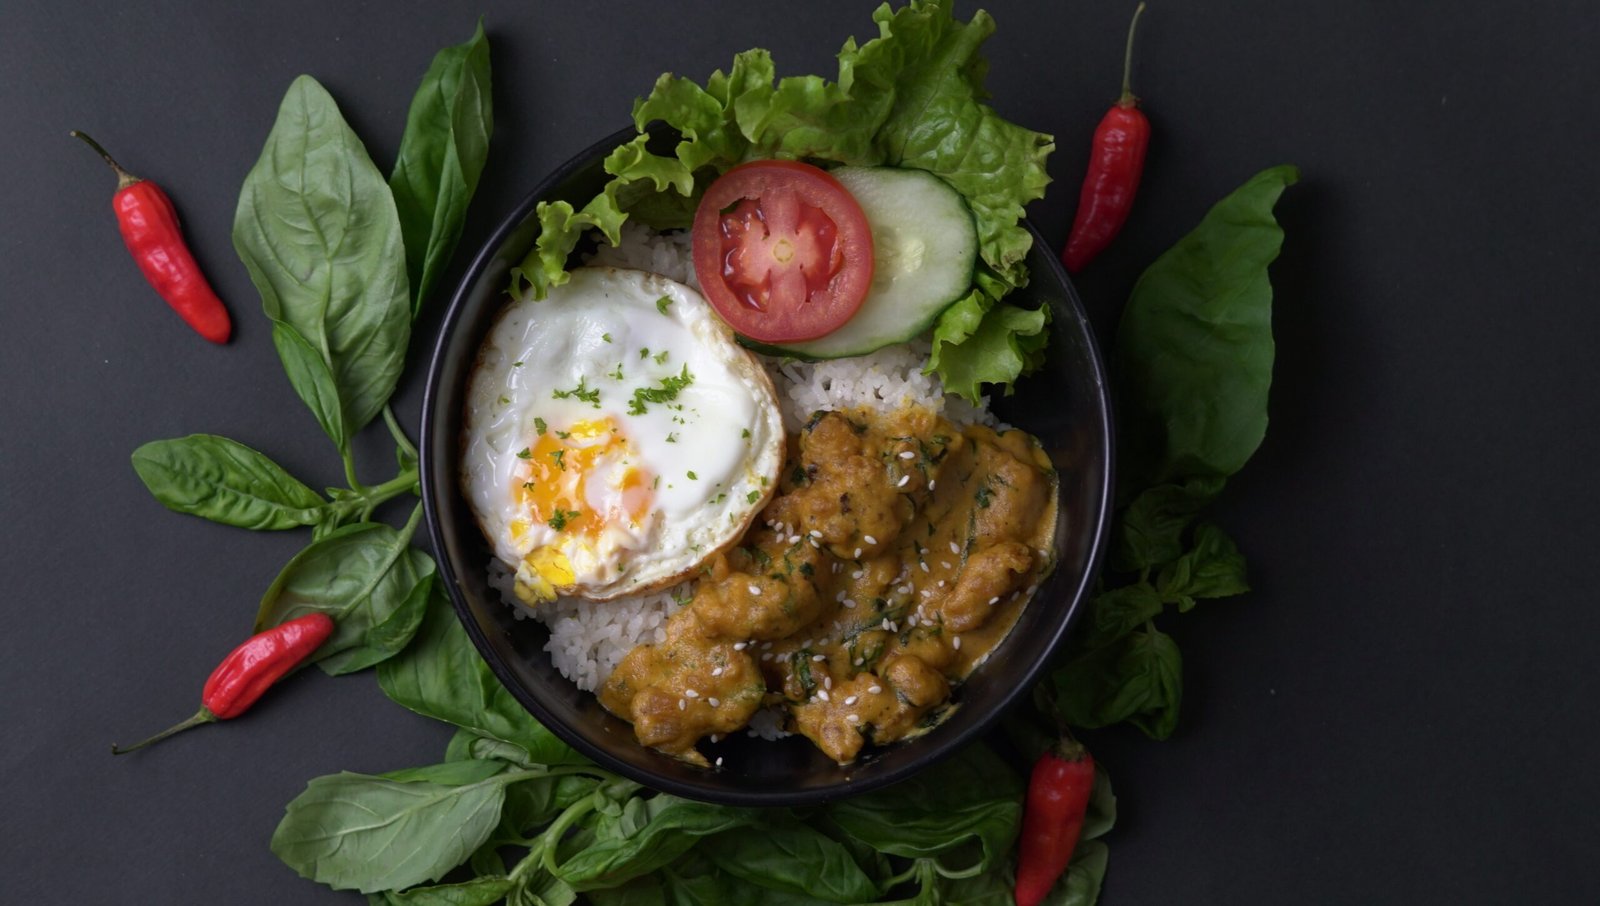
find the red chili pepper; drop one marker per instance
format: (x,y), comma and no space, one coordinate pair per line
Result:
(1116,161)
(150,228)
(251,669)
(1058,797)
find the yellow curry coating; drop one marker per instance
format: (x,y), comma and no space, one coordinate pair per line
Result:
(896,555)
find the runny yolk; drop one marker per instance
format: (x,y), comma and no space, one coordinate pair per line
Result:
(560,464)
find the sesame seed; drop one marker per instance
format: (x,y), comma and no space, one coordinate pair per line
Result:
(924,566)
(1032,589)
(853,718)
(815,534)
(911,622)
(858,574)
(874,688)
(819,658)
(822,694)
(739,646)
(955,642)
(941,583)
(815,543)
(807,643)
(691,693)
(767,656)
(857,554)
(927,592)
(954,548)
(755,589)
(930,484)
(840,595)
(904,480)
(849,604)
(904,589)
(907,454)
(994,600)
(682,704)
(827,682)
(837,566)
(944,564)
(719,761)
(869,539)
(886,623)
(716,738)
(851,700)
(713,702)
(859,661)
(766,646)
(717,671)
(794,539)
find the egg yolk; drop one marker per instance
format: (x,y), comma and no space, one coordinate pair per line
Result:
(577,481)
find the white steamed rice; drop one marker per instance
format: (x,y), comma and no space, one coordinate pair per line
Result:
(589,639)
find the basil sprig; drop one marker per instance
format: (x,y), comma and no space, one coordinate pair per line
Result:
(327,243)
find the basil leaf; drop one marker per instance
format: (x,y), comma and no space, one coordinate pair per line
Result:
(441,676)
(991,888)
(940,809)
(1101,815)
(482,891)
(1213,568)
(646,891)
(441,157)
(359,575)
(1080,886)
(1150,529)
(1138,679)
(312,382)
(788,855)
(544,890)
(368,833)
(647,835)
(1194,350)
(224,481)
(317,229)
(1115,613)
(385,639)
(449,773)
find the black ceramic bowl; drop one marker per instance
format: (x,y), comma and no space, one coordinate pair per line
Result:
(1064,404)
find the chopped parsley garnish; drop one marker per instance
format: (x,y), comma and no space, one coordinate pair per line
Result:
(516,364)
(672,437)
(606,337)
(563,434)
(560,457)
(561,517)
(617,375)
(665,393)
(984,496)
(525,453)
(644,352)
(692,476)
(655,484)
(583,392)
(752,497)
(719,498)
(527,485)
(505,400)
(538,425)
(662,303)
(745,433)
(660,357)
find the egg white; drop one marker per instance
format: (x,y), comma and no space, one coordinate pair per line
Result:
(593,360)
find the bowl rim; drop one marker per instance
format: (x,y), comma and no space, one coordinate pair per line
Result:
(851,786)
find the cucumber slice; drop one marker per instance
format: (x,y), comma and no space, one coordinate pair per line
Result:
(925,246)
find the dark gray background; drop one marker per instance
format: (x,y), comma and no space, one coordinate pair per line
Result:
(1402,711)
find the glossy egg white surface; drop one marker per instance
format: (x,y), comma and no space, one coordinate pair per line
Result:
(616,436)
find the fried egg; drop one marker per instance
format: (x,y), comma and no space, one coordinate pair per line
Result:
(616,436)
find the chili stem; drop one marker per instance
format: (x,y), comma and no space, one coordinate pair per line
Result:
(203,716)
(1127,99)
(124,178)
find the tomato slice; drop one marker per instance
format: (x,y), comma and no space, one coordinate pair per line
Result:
(782,251)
